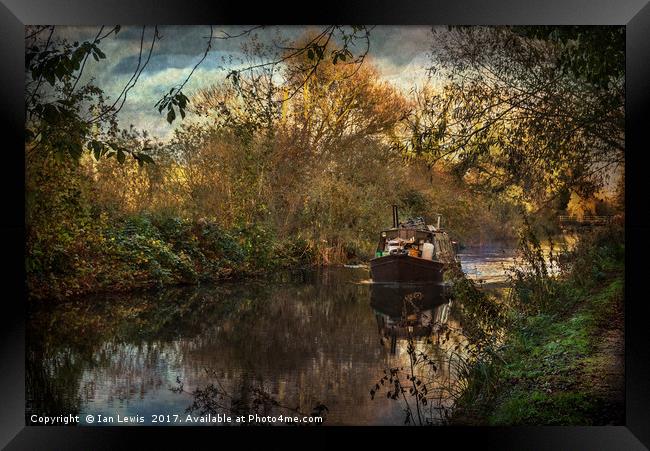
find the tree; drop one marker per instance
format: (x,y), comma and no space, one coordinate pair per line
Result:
(62,114)
(72,118)
(306,163)
(593,54)
(517,116)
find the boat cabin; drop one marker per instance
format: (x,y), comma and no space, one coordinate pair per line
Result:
(413,241)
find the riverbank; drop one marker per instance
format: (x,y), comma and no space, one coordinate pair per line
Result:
(564,364)
(78,258)
(144,252)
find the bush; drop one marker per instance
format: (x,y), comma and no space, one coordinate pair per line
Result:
(550,342)
(598,254)
(295,252)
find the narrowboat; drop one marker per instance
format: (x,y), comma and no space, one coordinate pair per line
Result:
(412,251)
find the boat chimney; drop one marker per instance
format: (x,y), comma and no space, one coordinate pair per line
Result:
(395,217)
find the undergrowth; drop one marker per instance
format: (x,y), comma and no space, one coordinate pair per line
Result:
(555,321)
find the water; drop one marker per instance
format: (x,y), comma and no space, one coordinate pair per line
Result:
(488,264)
(319,338)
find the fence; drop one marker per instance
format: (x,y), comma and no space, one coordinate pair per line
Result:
(585,221)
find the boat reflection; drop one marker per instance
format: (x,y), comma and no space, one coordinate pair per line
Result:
(409,310)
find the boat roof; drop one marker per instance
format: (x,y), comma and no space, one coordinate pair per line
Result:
(429,229)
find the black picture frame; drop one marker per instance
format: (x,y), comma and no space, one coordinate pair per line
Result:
(634,14)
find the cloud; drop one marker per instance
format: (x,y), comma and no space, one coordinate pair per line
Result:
(400,44)
(139,109)
(399,53)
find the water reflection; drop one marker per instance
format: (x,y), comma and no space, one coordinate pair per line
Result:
(304,341)
(409,310)
(487,263)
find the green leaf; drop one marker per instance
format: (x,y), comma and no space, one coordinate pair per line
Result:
(146,158)
(121,156)
(50,113)
(75,150)
(97,148)
(97,52)
(171,115)
(182,100)
(49,76)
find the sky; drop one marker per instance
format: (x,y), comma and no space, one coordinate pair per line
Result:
(398,52)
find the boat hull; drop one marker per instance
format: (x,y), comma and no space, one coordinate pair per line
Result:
(405,268)
(388,298)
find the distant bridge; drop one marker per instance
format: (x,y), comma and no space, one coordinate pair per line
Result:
(587,221)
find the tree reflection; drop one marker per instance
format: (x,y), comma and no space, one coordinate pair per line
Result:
(250,398)
(304,343)
(442,352)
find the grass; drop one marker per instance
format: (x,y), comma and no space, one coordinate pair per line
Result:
(560,364)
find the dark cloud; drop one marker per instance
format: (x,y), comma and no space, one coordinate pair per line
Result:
(182,46)
(400,44)
(396,50)
(129,63)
